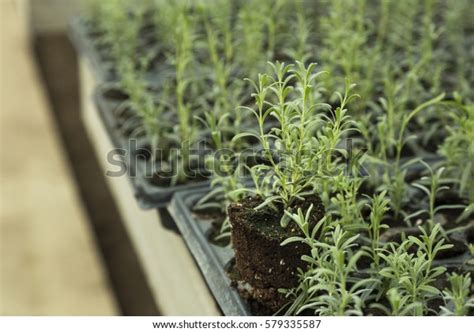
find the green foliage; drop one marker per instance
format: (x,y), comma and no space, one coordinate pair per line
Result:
(456,298)
(412,275)
(436,186)
(304,139)
(330,286)
(120,26)
(458,148)
(251,32)
(146,107)
(405,56)
(378,206)
(399,305)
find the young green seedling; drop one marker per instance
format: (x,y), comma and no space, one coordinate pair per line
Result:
(456,297)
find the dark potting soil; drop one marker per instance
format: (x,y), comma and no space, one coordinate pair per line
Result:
(215,237)
(398,229)
(115,94)
(458,240)
(260,259)
(255,297)
(164,181)
(208,214)
(216,218)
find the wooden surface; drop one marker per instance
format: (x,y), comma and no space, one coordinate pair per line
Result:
(176,282)
(52,16)
(57,61)
(48,259)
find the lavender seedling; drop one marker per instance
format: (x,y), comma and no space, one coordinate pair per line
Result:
(456,297)
(294,143)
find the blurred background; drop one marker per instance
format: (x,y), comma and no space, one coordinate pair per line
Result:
(63,249)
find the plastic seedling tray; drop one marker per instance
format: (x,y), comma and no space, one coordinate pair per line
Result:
(86,45)
(152,196)
(148,195)
(212,259)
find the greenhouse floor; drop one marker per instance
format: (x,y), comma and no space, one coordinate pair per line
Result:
(49,261)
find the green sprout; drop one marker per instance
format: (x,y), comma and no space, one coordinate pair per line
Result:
(456,298)
(413,275)
(436,181)
(293,141)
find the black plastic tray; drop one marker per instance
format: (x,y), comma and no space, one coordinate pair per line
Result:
(212,259)
(147,194)
(103,70)
(86,46)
